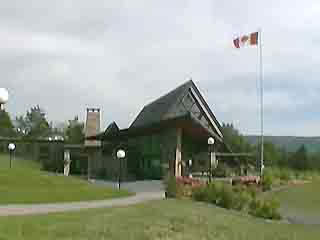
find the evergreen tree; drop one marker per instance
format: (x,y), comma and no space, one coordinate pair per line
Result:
(75,132)
(6,126)
(272,155)
(299,160)
(34,124)
(284,158)
(234,139)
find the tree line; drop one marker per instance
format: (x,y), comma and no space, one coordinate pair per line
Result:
(274,156)
(35,125)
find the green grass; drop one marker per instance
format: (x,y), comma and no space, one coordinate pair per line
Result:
(164,219)
(25,183)
(300,200)
(17,163)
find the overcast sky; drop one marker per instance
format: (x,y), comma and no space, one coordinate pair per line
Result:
(119,55)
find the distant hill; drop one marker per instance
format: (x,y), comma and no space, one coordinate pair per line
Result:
(290,143)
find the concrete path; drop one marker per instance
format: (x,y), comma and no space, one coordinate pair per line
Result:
(145,191)
(147,186)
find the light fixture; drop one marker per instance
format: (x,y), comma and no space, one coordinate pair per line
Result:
(210,140)
(121,154)
(11,146)
(4,96)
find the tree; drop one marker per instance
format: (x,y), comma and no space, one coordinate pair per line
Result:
(234,139)
(299,160)
(6,126)
(34,124)
(284,158)
(74,132)
(238,144)
(272,155)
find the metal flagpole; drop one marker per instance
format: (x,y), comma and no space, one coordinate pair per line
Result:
(261,101)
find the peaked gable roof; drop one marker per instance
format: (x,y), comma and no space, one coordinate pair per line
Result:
(166,107)
(112,128)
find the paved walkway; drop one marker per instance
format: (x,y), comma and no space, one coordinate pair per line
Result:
(147,186)
(145,191)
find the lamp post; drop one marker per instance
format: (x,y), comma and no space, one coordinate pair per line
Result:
(190,165)
(210,143)
(11,148)
(120,155)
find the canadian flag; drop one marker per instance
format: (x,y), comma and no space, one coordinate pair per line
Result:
(251,39)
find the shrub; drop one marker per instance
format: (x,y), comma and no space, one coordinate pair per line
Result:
(255,206)
(206,193)
(267,181)
(213,193)
(285,175)
(171,186)
(253,191)
(181,186)
(268,209)
(225,197)
(200,193)
(241,200)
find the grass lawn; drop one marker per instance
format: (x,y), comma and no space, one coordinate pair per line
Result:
(301,201)
(163,219)
(25,183)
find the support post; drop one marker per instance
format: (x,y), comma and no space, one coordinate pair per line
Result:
(10,158)
(210,163)
(89,165)
(178,153)
(120,170)
(214,159)
(261,102)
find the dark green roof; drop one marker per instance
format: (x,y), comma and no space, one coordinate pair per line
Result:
(187,120)
(156,110)
(113,127)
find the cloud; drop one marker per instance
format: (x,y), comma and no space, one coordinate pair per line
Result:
(119,55)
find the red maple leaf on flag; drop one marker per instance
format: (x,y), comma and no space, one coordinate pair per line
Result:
(244,39)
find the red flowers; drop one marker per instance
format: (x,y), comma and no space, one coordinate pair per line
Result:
(189,181)
(246,180)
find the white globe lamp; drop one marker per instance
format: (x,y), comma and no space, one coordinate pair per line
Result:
(4,97)
(121,154)
(210,140)
(11,146)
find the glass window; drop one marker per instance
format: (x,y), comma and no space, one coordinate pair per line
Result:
(188,102)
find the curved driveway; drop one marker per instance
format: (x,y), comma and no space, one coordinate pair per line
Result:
(145,191)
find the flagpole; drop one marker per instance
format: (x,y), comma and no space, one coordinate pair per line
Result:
(261,101)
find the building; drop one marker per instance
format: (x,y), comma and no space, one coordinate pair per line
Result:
(165,135)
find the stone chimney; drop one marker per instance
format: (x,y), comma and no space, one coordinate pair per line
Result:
(92,127)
